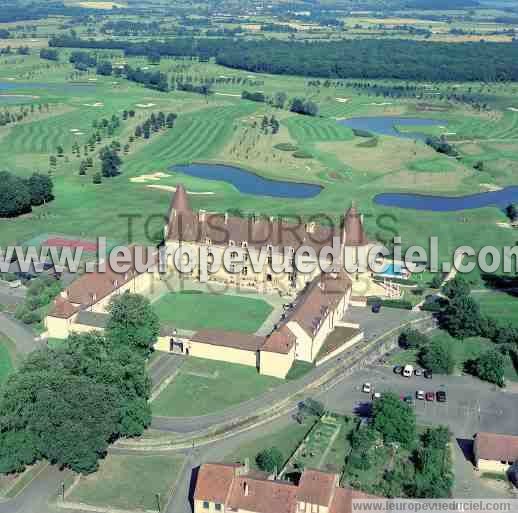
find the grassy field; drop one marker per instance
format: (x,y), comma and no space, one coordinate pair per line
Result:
(193,311)
(206,386)
(286,439)
(499,305)
(129,482)
(7,358)
(221,128)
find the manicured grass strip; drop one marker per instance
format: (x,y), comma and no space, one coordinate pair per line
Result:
(206,386)
(499,305)
(216,311)
(299,369)
(129,482)
(23,480)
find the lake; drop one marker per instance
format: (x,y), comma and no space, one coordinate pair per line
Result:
(386,125)
(248,182)
(499,199)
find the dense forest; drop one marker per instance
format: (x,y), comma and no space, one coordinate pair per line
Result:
(363,58)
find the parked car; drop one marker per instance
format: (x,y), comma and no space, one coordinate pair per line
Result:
(418,372)
(430,396)
(409,400)
(408,371)
(367,388)
(398,369)
(441,396)
(376,307)
(420,395)
(428,374)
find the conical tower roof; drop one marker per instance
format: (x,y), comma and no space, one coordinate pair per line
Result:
(180,201)
(354,234)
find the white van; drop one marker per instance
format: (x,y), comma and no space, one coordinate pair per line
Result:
(408,371)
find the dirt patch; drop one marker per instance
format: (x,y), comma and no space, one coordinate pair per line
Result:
(171,188)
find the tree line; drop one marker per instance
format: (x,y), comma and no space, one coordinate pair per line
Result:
(18,195)
(362,58)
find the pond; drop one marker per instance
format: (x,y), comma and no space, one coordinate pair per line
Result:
(30,86)
(386,125)
(499,199)
(248,182)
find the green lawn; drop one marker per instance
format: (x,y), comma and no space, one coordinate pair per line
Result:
(129,482)
(207,386)
(286,439)
(499,305)
(7,358)
(191,311)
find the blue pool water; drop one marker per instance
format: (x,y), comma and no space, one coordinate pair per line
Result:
(248,182)
(392,271)
(499,199)
(386,125)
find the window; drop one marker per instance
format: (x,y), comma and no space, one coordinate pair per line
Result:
(233,254)
(244,244)
(208,241)
(206,505)
(217,507)
(244,271)
(231,243)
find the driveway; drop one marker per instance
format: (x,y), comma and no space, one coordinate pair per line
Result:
(22,337)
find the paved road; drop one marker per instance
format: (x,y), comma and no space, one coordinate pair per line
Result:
(22,337)
(37,497)
(164,366)
(472,406)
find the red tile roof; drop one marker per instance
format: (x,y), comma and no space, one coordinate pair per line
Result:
(496,447)
(342,500)
(322,296)
(234,339)
(214,482)
(91,288)
(230,486)
(262,496)
(280,341)
(317,487)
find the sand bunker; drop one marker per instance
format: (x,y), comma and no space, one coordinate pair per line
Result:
(228,94)
(170,188)
(491,187)
(97,104)
(342,100)
(145,105)
(19,96)
(148,178)
(378,104)
(513,109)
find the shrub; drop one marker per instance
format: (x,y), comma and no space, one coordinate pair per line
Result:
(413,339)
(270,460)
(301,154)
(438,356)
(285,147)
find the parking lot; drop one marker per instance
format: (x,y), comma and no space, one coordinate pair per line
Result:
(471,405)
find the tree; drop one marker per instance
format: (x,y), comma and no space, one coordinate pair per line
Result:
(490,366)
(67,404)
(40,188)
(104,68)
(110,162)
(97,178)
(15,196)
(511,211)
(394,420)
(438,355)
(461,317)
(270,460)
(413,339)
(133,323)
(279,100)
(458,286)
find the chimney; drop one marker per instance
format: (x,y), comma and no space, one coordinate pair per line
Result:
(226,217)
(246,489)
(201,216)
(310,227)
(246,465)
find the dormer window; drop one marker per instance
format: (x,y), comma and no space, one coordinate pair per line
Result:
(244,244)
(231,243)
(208,241)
